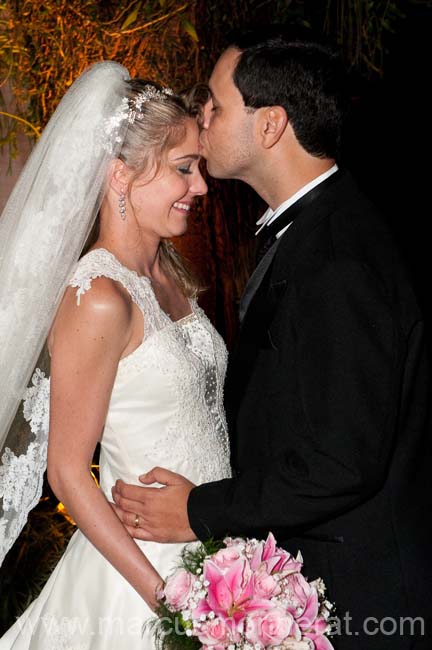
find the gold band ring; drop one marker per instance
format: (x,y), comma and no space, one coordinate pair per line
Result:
(136,521)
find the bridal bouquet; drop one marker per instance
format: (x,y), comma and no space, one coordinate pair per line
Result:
(243,594)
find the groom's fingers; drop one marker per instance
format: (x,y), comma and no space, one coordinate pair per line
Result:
(162,476)
(136,493)
(134,523)
(153,513)
(140,533)
(137,526)
(132,498)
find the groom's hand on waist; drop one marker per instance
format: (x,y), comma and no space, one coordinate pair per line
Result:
(157,514)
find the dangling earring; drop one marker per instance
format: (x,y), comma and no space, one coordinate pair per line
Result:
(122,206)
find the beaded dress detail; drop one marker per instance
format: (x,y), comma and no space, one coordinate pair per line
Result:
(166,409)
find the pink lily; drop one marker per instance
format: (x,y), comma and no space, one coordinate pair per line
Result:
(303,600)
(310,612)
(276,559)
(316,633)
(230,594)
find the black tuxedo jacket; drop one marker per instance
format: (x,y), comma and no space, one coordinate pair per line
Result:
(327,397)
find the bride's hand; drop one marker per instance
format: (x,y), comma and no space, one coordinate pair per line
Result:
(156,593)
(155,514)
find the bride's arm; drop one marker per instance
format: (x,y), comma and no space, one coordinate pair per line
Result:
(86,344)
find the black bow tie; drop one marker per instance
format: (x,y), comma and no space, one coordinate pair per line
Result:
(268,233)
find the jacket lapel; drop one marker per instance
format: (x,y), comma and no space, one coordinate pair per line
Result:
(265,291)
(256,279)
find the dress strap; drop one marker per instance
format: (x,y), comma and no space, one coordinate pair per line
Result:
(101,263)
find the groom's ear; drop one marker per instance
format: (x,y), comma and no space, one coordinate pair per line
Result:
(272,123)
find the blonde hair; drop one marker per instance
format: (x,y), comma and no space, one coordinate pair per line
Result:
(160,127)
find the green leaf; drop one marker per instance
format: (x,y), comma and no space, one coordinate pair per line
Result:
(189,29)
(132,16)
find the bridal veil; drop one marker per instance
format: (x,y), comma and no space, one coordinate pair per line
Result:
(43,229)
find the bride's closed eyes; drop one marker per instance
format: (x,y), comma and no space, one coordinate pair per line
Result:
(185,169)
(186,163)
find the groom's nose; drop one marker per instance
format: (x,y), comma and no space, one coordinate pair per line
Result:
(207,114)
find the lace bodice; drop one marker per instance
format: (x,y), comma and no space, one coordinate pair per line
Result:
(166,405)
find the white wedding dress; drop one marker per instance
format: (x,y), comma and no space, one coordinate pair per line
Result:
(166,410)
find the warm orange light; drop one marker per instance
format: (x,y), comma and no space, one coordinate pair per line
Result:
(62,511)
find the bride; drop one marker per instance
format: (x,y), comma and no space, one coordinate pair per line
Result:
(135,363)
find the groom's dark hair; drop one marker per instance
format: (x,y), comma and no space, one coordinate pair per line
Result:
(289,66)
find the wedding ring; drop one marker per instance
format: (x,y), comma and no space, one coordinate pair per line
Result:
(136,521)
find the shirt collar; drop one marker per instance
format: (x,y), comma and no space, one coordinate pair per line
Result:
(270,215)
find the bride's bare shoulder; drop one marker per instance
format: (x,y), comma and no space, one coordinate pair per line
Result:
(104,310)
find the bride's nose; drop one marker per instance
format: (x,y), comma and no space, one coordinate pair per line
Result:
(198,186)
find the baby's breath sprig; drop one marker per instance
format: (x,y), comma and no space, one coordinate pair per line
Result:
(192,558)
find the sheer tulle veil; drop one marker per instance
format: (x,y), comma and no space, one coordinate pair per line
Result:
(43,229)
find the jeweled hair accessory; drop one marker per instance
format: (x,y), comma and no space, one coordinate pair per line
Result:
(130,109)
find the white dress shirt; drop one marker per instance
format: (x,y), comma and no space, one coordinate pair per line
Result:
(270,215)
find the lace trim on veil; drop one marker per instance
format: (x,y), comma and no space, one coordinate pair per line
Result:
(21,476)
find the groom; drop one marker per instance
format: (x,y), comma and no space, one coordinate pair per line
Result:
(328,388)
